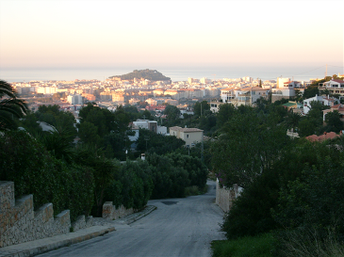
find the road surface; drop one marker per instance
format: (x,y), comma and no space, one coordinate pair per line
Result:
(178,227)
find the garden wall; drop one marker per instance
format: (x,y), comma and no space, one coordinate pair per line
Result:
(225,197)
(19,222)
(110,212)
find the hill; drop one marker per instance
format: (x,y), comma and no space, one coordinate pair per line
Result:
(152,75)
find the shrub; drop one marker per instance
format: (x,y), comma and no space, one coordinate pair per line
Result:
(250,214)
(132,186)
(169,179)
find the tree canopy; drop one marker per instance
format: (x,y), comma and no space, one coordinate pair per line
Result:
(11,107)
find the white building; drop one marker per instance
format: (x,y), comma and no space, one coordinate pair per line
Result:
(325,100)
(74,99)
(46,90)
(243,96)
(281,82)
(334,86)
(227,95)
(214,106)
(191,136)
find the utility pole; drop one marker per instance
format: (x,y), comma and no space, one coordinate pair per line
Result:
(146,139)
(326,72)
(201,109)
(202,148)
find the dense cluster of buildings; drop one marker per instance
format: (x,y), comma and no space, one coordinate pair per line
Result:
(155,95)
(114,92)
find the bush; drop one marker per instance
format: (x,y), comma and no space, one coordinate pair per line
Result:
(317,195)
(132,186)
(250,214)
(81,191)
(169,180)
(197,171)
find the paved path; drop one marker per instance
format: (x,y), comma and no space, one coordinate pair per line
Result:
(178,227)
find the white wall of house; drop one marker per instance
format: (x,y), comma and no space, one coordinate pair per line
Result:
(161,130)
(191,136)
(325,100)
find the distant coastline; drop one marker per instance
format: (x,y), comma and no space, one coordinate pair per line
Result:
(176,74)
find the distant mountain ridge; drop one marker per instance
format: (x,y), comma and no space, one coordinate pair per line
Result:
(152,75)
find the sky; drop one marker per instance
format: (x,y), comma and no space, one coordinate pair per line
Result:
(113,33)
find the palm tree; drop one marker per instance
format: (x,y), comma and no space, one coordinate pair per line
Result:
(10,106)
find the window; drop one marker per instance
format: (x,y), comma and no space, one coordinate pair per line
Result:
(187,135)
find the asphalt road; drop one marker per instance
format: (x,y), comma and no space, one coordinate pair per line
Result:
(178,227)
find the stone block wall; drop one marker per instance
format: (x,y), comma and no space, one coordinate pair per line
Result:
(19,222)
(82,222)
(110,212)
(225,197)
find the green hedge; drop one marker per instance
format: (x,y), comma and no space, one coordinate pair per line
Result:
(33,170)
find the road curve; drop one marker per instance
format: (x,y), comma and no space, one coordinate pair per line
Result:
(178,227)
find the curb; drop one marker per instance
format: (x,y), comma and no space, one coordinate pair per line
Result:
(142,214)
(40,246)
(51,243)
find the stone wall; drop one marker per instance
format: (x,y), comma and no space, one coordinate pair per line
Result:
(110,212)
(225,196)
(19,222)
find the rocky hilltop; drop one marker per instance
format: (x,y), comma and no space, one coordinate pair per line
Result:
(152,75)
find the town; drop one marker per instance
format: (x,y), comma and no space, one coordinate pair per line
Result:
(85,158)
(155,95)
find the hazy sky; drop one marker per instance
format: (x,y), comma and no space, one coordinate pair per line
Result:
(88,33)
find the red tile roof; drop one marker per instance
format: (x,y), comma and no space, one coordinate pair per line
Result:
(325,136)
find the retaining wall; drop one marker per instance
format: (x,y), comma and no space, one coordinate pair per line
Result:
(110,212)
(19,222)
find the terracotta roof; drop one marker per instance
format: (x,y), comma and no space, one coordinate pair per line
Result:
(338,80)
(312,138)
(325,136)
(338,107)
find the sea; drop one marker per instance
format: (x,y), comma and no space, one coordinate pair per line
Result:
(304,73)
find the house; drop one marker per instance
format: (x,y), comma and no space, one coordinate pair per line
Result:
(325,100)
(249,95)
(191,136)
(338,107)
(335,86)
(282,93)
(151,125)
(244,95)
(294,106)
(214,106)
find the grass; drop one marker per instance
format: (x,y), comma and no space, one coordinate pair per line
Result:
(309,242)
(260,246)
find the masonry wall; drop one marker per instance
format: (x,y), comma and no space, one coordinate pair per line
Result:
(225,197)
(110,212)
(19,222)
